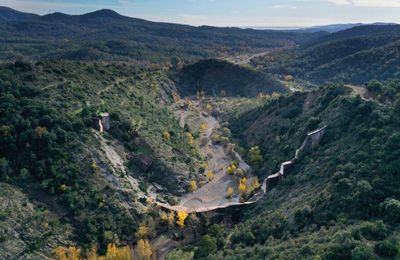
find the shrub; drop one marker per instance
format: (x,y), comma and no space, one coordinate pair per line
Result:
(343,244)
(243,236)
(362,252)
(391,209)
(207,246)
(388,248)
(303,216)
(374,86)
(374,231)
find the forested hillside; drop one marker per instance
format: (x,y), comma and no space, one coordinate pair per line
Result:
(215,77)
(106,35)
(352,56)
(340,201)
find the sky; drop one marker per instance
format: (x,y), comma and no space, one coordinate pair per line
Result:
(243,13)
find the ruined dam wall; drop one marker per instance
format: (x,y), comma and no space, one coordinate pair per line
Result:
(311,142)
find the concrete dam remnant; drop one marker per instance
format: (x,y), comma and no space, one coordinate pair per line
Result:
(311,142)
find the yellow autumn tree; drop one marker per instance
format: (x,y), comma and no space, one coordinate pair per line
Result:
(255,184)
(92,253)
(203,127)
(113,253)
(182,215)
(210,175)
(70,253)
(94,167)
(229,192)
(166,136)
(163,217)
(143,231)
(171,218)
(192,186)
(243,186)
(61,253)
(117,253)
(190,138)
(231,168)
(144,249)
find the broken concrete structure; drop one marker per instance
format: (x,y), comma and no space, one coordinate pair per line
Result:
(102,122)
(311,142)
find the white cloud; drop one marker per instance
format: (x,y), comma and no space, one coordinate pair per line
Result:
(368,3)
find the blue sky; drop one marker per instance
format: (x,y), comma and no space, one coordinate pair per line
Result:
(229,12)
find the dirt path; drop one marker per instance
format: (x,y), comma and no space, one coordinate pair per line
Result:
(363,93)
(357,90)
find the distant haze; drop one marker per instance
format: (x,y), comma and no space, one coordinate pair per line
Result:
(288,14)
(274,27)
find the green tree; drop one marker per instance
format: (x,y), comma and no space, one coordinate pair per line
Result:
(391,209)
(255,155)
(5,169)
(362,252)
(374,86)
(207,246)
(388,248)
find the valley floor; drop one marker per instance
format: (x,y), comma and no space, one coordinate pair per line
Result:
(213,194)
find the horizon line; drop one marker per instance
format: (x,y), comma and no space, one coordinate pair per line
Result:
(255,27)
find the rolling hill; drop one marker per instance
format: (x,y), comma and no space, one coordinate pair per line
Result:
(355,55)
(107,35)
(214,76)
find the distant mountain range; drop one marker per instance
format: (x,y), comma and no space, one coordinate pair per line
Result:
(107,35)
(349,52)
(330,28)
(354,55)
